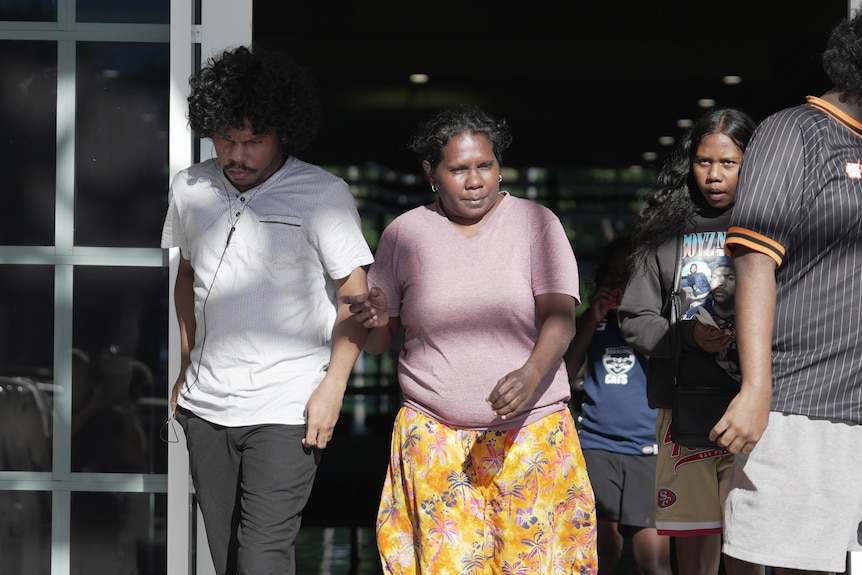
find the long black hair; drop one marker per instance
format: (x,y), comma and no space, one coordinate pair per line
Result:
(676,199)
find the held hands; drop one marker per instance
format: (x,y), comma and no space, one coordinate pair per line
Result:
(513,391)
(369,309)
(710,338)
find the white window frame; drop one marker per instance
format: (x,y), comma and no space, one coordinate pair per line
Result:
(224,24)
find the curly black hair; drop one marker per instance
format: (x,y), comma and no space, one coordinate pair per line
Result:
(842,59)
(432,135)
(265,87)
(676,199)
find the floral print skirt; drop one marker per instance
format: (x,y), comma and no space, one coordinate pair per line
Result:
(465,502)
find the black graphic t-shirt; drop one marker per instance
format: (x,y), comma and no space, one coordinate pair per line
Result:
(645,309)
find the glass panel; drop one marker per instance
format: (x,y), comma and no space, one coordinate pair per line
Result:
(118,533)
(119,396)
(25,524)
(25,425)
(26,364)
(29,10)
(121,159)
(28,93)
(125,11)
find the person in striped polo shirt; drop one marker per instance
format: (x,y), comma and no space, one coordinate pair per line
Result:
(796,240)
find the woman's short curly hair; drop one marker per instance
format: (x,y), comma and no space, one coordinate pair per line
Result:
(842,59)
(432,135)
(261,86)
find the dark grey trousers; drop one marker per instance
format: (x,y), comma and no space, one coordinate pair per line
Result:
(252,484)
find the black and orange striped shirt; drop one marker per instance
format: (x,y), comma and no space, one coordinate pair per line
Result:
(800,202)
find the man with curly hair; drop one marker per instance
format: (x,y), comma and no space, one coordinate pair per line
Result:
(268,245)
(796,240)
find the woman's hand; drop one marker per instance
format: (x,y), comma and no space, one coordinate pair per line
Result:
(370,309)
(711,339)
(513,391)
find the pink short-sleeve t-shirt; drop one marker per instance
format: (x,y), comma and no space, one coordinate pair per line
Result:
(467,306)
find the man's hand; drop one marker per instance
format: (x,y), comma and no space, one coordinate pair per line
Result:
(175,391)
(321,415)
(742,425)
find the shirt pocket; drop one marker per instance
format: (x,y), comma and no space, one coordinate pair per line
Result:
(282,241)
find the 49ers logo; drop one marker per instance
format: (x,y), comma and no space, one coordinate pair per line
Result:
(666,498)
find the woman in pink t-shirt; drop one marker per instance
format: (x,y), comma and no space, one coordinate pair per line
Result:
(486,471)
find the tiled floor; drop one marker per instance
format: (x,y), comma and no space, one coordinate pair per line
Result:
(327,551)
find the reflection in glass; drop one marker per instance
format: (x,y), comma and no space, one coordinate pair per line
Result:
(119,387)
(25,524)
(26,423)
(118,533)
(28,10)
(121,160)
(28,94)
(26,365)
(125,11)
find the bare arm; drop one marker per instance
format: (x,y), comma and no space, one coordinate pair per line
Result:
(348,338)
(745,419)
(370,310)
(184,302)
(557,317)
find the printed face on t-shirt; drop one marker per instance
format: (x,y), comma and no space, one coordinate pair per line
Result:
(723,285)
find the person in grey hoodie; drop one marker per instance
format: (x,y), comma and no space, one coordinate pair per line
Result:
(686,217)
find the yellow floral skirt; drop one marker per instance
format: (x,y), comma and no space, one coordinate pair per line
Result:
(486,502)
